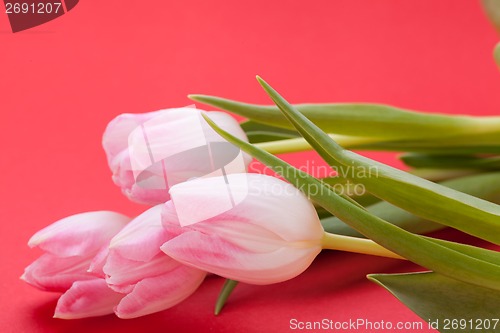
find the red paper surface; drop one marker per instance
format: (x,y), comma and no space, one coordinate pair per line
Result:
(61,83)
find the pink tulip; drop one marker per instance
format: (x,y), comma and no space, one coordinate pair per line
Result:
(136,267)
(246,227)
(70,245)
(148,153)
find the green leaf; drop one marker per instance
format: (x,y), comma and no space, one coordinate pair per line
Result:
(492,9)
(439,175)
(450,305)
(257,132)
(463,144)
(369,120)
(451,161)
(438,256)
(459,145)
(342,185)
(416,195)
(496,54)
(226,291)
(484,186)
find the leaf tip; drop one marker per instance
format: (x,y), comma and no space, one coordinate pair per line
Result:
(262,82)
(196,97)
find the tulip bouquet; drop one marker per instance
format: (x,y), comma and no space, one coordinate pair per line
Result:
(209,215)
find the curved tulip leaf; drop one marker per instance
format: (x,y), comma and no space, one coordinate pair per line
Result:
(444,146)
(367,120)
(450,259)
(496,54)
(435,202)
(451,161)
(484,186)
(464,144)
(257,132)
(439,175)
(446,304)
(343,186)
(492,9)
(485,255)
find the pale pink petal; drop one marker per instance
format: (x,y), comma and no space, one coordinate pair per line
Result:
(87,299)
(227,123)
(115,137)
(141,239)
(253,199)
(147,153)
(79,234)
(52,273)
(214,254)
(230,125)
(115,144)
(161,155)
(98,262)
(247,227)
(146,196)
(121,273)
(161,292)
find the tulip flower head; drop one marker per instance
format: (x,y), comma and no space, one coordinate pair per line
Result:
(149,153)
(70,245)
(246,227)
(135,266)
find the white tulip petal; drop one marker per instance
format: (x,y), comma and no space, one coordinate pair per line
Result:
(80,234)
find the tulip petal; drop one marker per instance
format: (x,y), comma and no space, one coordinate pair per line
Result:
(161,292)
(87,299)
(147,153)
(141,239)
(52,273)
(122,273)
(211,253)
(98,262)
(115,137)
(263,201)
(246,227)
(162,155)
(79,234)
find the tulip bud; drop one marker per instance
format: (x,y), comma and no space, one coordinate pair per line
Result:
(70,245)
(136,267)
(246,227)
(149,153)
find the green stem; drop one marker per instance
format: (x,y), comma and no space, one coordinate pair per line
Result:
(226,291)
(356,245)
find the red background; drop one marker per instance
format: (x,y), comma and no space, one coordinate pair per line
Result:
(63,81)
